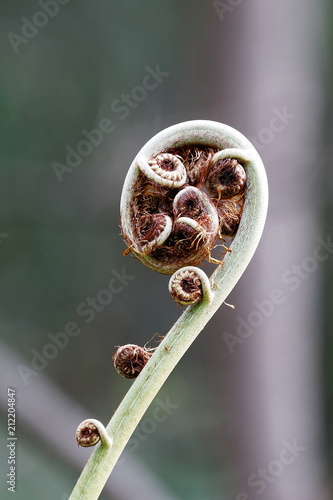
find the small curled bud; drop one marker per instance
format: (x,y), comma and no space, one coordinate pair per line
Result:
(195,204)
(165,169)
(87,434)
(188,285)
(90,432)
(226,178)
(130,359)
(154,230)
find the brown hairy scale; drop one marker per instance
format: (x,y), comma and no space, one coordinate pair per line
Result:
(149,199)
(190,285)
(229,213)
(183,241)
(150,229)
(197,160)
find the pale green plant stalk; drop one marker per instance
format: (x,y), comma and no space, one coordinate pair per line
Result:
(195,317)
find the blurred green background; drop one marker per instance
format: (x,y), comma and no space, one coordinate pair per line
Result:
(237,62)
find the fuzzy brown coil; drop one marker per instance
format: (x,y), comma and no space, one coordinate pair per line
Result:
(226,178)
(185,287)
(87,434)
(130,359)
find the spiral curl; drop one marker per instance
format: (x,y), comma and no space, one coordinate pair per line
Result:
(90,432)
(130,359)
(165,169)
(227,178)
(189,285)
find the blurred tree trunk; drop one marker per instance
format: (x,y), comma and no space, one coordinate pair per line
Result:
(273,378)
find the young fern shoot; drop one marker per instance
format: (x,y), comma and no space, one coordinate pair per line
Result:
(189,185)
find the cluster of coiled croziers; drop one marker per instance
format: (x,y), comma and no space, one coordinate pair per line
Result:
(181,201)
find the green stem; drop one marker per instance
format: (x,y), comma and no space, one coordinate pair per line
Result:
(188,326)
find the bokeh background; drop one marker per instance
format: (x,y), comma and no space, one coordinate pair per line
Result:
(245,419)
